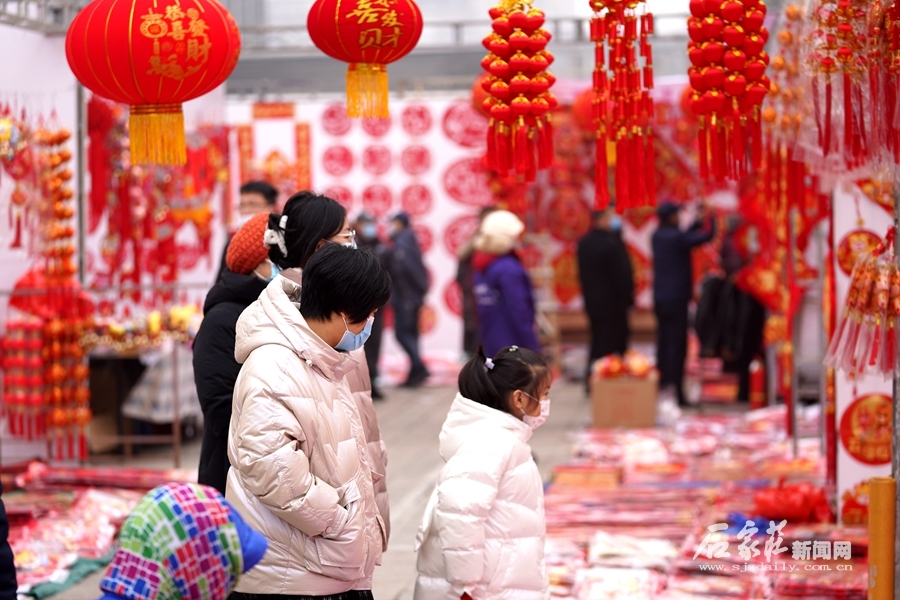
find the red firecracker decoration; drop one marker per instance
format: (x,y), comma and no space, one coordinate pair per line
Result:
(153,55)
(367,34)
(520,134)
(729,83)
(622,105)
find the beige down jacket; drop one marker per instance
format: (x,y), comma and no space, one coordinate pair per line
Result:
(483,530)
(304,470)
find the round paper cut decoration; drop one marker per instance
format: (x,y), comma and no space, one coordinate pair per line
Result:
(377,127)
(415,160)
(865,429)
(416,200)
(467,183)
(341,194)
(853,245)
(464,126)
(335,120)
(453,298)
(416,119)
(459,231)
(377,160)
(424,237)
(337,160)
(377,199)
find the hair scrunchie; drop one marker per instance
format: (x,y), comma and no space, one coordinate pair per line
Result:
(276,238)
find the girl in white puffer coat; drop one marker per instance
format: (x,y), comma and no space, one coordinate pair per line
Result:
(482,536)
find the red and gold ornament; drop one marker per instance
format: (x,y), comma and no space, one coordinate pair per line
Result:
(727,76)
(367,34)
(623,109)
(520,133)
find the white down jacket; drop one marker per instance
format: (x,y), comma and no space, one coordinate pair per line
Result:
(483,530)
(301,472)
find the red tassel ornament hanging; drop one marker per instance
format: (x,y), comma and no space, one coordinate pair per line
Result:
(520,136)
(622,105)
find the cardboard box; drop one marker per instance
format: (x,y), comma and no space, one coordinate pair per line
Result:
(624,402)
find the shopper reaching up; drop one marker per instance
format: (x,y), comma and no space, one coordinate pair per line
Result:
(482,536)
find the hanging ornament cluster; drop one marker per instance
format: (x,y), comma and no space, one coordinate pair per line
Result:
(153,55)
(727,76)
(367,34)
(67,390)
(519,101)
(785,108)
(23,378)
(865,340)
(622,107)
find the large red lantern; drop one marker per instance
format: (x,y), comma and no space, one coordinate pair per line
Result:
(367,34)
(153,55)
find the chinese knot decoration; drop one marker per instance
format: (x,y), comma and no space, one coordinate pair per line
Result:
(153,55)
(367,34)
(729,83)
(520,134)
(621,103)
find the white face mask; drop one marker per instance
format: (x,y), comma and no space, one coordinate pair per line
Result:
(242,220)
(535,422)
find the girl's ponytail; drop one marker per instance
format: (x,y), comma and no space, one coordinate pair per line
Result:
(490,381)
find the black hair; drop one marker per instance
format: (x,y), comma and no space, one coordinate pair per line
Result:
(513,369)
(338,279)
(263,188)
(310,219)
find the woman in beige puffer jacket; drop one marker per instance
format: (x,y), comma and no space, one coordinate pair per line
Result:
(302,471)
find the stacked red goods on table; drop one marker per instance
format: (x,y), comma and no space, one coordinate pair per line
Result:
(60,515)
(686,512)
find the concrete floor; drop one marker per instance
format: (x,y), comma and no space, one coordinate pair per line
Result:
(410,421)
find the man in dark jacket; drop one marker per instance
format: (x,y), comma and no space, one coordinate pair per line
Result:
(607,284)
(8,583)
(410,285)
(673,289)
(256,197)
(367,236)
(215,369)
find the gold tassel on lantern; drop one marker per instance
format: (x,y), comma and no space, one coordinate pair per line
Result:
(882,499)
(157,135)
(367,91)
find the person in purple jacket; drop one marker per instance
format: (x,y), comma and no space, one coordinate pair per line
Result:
(503,291)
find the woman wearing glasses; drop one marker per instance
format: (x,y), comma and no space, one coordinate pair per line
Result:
(309,223)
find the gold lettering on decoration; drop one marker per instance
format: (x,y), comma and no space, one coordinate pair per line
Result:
(388,30)
(190,52)
(393,39)
(365,12)
(369,38)
(389,19)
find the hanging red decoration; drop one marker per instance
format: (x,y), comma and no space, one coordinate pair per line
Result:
(367,34)
(729,83)
(520,134)
(153,55)
(622,107)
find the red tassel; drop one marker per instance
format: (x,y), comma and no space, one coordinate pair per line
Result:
(623,192)
(601,172)
(636,146)
(544,146)
(715,150)
(492,146)
(704,164)
(756,141)
(817,111)
(548,139)
(848,116)
(649,164)
(859,140)
(520,151)
(504,150)
(827,136)
(531,171)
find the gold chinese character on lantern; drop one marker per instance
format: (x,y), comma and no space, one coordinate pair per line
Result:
(190,50)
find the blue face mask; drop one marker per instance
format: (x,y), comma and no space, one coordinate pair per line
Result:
(354,341)
(615,223)
(274,271)
(370,231)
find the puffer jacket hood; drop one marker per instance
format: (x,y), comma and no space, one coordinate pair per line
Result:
(303,469)
(483,529)
(275,319)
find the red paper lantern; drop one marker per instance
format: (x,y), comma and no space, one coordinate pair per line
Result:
(367,34)
(153,55)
